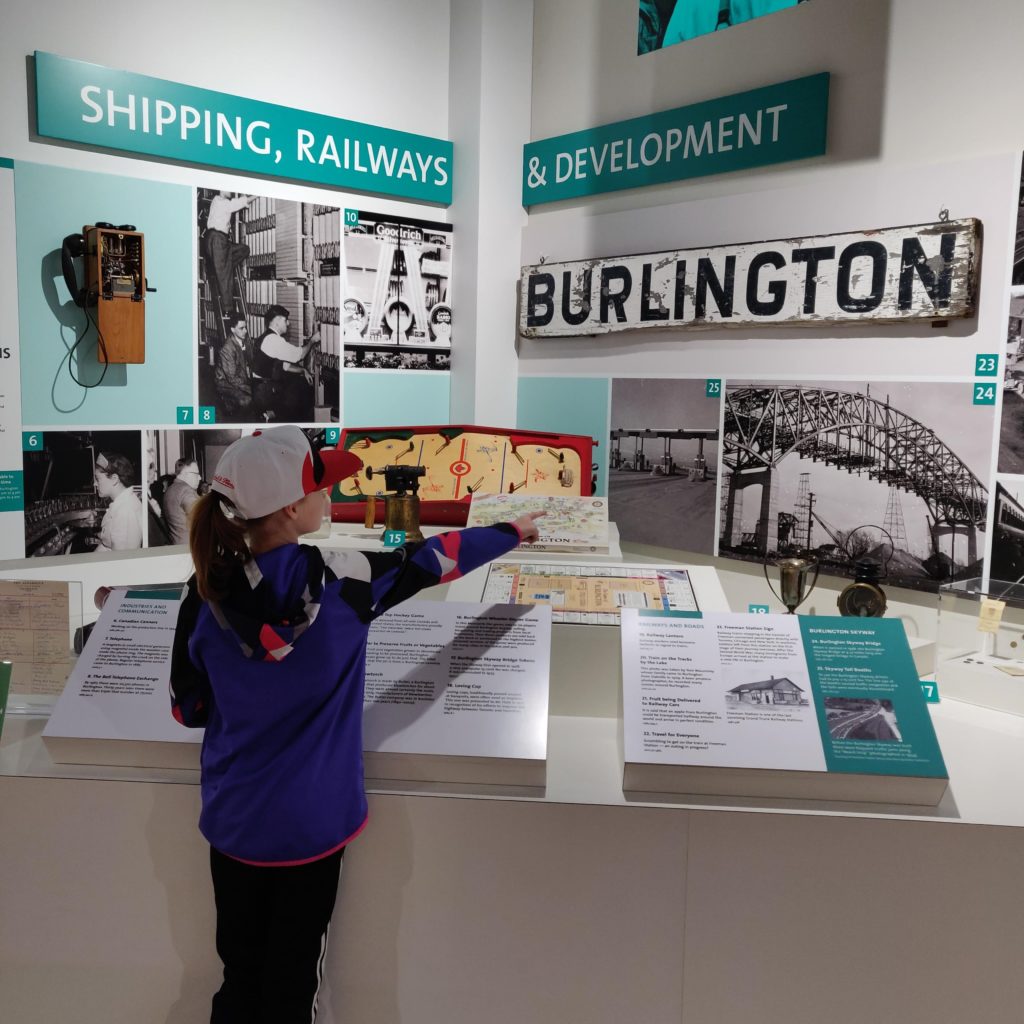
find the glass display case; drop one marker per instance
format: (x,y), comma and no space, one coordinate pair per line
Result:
(980,643)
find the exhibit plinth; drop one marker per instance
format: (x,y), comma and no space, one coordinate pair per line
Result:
(784,706)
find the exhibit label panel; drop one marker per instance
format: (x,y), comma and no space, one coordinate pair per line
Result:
(97,106)
(888,275)
(771,125)
(805,695)
(12,495)
(118,689)
(458,680)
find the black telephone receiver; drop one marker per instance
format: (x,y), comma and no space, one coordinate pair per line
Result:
(71,248)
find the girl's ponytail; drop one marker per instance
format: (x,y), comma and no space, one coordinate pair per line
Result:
(218,546)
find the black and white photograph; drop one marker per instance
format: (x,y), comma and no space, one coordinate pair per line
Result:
(663,462)
(180,466)
(83,493)
(270,298)
(846,471)
(859,718)
(1011,425)
(397,303)
(1006,561)
(769,693)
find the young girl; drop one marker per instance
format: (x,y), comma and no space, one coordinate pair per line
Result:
(269,656)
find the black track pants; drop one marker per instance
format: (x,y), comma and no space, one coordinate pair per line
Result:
(272,925)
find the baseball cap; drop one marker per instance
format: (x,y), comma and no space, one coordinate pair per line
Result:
(272,468)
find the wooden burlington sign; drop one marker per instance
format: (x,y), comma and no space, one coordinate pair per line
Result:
(919,272)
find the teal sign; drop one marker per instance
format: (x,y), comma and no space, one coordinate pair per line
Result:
(867,697)
(772,125)
(98,106)
(12,490)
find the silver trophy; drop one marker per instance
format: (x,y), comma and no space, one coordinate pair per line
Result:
(793,581)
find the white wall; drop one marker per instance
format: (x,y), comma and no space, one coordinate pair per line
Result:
(383,63)
(923,117)
(912,80)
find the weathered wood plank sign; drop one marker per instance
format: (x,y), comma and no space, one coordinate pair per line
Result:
(919,272)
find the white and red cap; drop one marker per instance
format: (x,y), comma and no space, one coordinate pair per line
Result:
(270,469)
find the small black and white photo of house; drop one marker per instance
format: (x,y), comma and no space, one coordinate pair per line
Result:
(768,693)
(859,718)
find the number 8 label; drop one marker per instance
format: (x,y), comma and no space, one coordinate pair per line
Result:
(207,414)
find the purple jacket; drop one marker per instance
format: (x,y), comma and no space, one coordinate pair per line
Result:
(275,674)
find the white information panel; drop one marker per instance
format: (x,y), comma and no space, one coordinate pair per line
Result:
(118,689)
(681,703)
(459,680)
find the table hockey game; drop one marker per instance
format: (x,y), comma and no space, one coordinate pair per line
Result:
(460,461)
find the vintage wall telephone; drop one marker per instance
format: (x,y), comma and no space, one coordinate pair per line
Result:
(115,286)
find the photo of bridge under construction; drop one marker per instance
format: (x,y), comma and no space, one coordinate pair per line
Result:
(663,461)
(888,471)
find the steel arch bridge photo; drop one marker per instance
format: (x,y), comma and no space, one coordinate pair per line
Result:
(827,459)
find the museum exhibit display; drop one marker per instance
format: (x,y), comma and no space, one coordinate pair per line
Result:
(725,307)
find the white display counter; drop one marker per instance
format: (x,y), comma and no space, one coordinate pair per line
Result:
(461,906)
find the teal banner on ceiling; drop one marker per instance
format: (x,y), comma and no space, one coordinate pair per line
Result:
(97,106)
(775,124)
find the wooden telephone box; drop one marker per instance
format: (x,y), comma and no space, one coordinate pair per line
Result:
(116,277)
